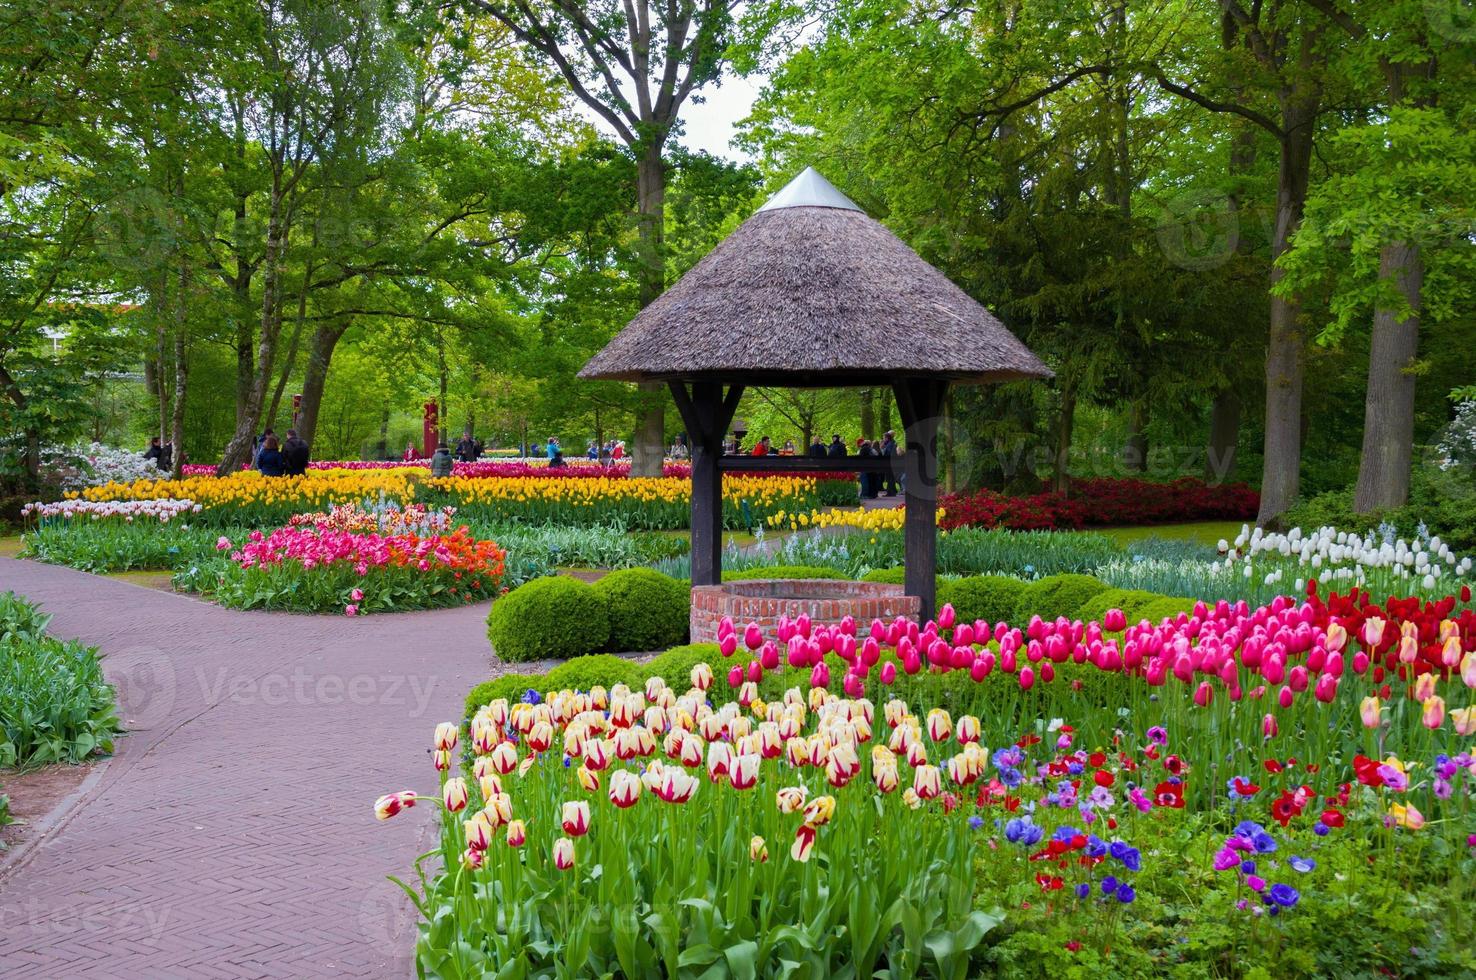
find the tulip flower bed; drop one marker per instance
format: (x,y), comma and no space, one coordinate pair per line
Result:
(116,536)
(309,569)
(1102,503)
(248,499)
(1264,777)
(635,503)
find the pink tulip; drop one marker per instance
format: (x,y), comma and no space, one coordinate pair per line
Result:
(1115,621)
(735,676)
(1268,726)
(888,673)
(769,657)
(853,686)
(1203,694)
(755,671)
(1284,697)
(753,637)
(1326,688)
(820,676)
(1027,678)
(727,645)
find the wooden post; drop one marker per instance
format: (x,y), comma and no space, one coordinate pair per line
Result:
(706,412)
(920,403)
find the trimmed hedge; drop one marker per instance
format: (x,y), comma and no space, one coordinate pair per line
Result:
(583,673)
(555,617)
(1161,608)
(988,597)
(647,610)
(510,686)
(1055,596)
(1128,600)
(675,665)
(783,571)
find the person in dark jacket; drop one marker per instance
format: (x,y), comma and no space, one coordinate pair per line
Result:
(154,452)
(870,482)
(817,449)
(441,463)
(269,458)
(295,452)
(837,448)
(466,449)
(889,450)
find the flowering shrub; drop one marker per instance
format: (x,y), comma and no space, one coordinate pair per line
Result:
(353,573)
(761,822)
(1102,502)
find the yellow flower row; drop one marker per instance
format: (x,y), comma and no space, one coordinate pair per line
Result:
(589,491)
(879,519)
(249,487)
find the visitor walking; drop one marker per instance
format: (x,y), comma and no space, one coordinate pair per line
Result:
(154,453)
(889,452)
(817,449)
(869,481)
(410,452)
(269,458)
(837,447)
(267,433)
(441,463)
(788,449)
(618,453)
(466,449)
(295,451)
(592,452)
(761,448)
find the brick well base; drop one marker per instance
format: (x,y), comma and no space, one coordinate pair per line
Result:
(764,601)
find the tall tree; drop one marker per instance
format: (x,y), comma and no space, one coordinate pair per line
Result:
(634,63)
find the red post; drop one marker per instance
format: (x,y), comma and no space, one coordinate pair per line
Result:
(431,431)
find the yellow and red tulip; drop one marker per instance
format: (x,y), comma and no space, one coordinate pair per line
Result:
(563,854)
(392,803)
(804,843)
(625,788)
(758,851)
(454,794)
(446,734)
(517,833)
(575,818)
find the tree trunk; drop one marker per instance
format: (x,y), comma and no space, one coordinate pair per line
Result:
(290,361)
(1135,451)
(238,450)
(649,449)
(1388,419)
(1224,437)
(1064,427)
(384,421)
(1281,468)
(181,380)
(868,413)
(315,379)
(32,435)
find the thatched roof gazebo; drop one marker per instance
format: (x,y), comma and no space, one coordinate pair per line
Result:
(810,292)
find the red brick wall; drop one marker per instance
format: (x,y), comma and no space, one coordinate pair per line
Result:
(825,601)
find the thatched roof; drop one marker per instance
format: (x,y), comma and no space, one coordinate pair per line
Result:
(812,291)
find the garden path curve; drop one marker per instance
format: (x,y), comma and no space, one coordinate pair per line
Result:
(232,834)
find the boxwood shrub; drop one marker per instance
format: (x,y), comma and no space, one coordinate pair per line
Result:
(1055,596)
(603,669)
(1128,600)
(782,571)
(675,665)
(557,616)
(510,686)
(988,597)
(647,610)
(1161,608)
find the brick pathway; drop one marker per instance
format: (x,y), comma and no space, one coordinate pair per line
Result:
(233,833)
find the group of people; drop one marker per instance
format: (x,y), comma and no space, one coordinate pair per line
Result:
(275,458)
(872,484)
(162,455)
(611,451)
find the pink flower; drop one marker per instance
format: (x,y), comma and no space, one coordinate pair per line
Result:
(351,610)
(357,595)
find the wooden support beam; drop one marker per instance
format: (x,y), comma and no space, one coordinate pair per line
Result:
(706,412)
(920,403)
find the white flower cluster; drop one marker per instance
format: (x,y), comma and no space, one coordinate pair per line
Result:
(148,510)
(95,464)
(1457,445)
(1341,556)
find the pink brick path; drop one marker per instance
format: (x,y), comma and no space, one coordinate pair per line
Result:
(233,833)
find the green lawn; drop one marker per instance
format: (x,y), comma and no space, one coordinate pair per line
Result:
(1207,533)
(10,545)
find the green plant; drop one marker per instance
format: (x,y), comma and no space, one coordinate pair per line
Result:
(1056,595)
(116,546)
(992,598)
(55,705)
(782,571)
(675,665)
(1128,600)
(509,686)
(1164,607)
(602,669)
(556,617)
(647,610)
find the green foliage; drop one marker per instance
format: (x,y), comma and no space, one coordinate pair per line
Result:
(509,686)
(1055,596)
(895,575)
(55,705)
(781,571)
(556,617)
(1165,607)
(1128,600)
(647,610)
(583,673)
(675,665)
(1443,504)
(113,546)
(992,598)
